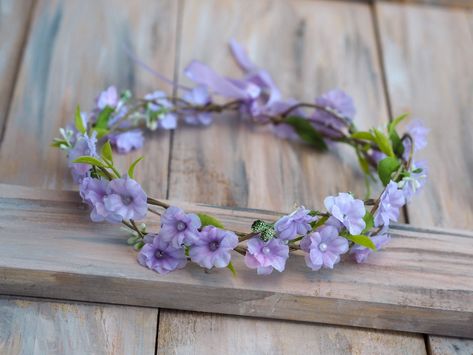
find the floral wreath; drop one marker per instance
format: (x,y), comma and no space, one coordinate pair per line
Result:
(349,225)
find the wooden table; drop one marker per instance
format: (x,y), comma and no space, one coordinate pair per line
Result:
(392,57)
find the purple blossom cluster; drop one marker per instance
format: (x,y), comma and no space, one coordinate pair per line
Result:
(114,201)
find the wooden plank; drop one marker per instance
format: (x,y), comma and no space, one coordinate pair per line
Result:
(443,345)
(434,84)
(403,288)
(196,333)
(76,49)
(39,327)
(446,3)
(434,97)
(14,21)
(251,167)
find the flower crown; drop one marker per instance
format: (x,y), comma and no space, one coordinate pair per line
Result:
(349,225)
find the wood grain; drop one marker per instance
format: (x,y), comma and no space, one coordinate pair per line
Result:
(404,288)
(252,167)
(14,21)
(234,164)
(76,49)
(40,327)
(435,84)
(196,333)
(447,346)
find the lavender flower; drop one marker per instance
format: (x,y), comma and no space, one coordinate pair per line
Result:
(392,199)
(93,192)
(125,200)
(361,253)
(264,256)
(162,106)
(324,248)
(418,132)
(339,102)
(161,256)
(108,98)
(127,141)
(297,223)
(347,210)
(213,247)
(197,96)
(179,228)
(411,185)
(84,145)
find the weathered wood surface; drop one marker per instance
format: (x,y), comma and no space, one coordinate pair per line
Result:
(75,49)
(40,327)
(197,333)
(435,84)
(404,288)
(14,20)
(232,163)
(444,346)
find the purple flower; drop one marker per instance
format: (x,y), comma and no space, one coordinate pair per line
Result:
(93,192)
(392,199)
(297,223)
(347,210)
(125,200)
(179,228)
(127,141)
(324,248)
(361,253)
(166,119)
(84,145)
(213,247)
(197,96)
(418,132)
(161,256)
(411,185)
(338,101)
(108,98)
(264,256)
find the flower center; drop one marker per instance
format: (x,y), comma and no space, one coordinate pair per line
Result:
(158,254)
(214,245)
(323,247)
(180,226)
(127,200)
(266,250)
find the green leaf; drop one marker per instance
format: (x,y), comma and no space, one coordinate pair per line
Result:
(101,132)
(367,136)
(306,131)
(79,123)
(232,268)
(139,245)
(131,169)
(319,222)
(104,116)
(369,221)
(383,142)
(362,240)
(386,168)
(398,147)
(107,152)
(89,160)
(207,220)
(365,166)
(392,125)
